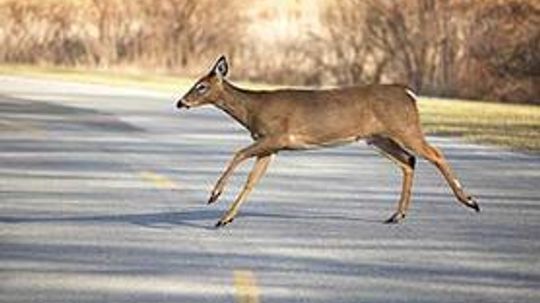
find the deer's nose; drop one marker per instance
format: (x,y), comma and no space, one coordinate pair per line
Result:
(181,104)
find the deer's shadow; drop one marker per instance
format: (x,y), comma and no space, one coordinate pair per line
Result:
(198,218)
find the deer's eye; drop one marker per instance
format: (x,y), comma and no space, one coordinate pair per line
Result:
(201,88)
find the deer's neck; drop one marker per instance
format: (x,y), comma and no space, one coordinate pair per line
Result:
(235,102)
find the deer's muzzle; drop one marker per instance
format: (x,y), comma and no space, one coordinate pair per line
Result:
(180,104)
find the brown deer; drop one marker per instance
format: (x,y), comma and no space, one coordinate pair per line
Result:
(386,116)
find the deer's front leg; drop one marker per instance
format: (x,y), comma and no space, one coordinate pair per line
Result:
(263,147)
(259,168)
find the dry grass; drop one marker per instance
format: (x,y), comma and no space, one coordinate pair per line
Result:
(134,78)
(511,126)
(109,77)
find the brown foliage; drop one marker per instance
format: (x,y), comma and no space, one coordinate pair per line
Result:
(464,48)
(504,48)
(158,34)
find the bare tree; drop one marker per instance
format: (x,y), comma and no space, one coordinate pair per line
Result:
(479,49)
(345,53)
(400,32)
(505,48)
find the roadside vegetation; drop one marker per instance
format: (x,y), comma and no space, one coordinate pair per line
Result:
(512,126)
(485,50)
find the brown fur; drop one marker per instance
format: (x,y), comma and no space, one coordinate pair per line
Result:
(291,119)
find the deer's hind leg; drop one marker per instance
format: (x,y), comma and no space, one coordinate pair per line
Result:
(419,145)
(406,162)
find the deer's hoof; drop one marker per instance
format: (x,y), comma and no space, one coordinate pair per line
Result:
(223,222)
(213,197)
(395,218)
(471,202)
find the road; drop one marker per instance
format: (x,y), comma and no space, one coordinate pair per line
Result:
(103,199)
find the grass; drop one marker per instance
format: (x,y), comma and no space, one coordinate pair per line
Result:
(515,127)
(109,77)
(138,79)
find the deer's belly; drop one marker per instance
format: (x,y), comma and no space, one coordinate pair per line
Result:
(299,142)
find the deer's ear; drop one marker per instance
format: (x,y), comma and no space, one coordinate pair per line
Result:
(221,68)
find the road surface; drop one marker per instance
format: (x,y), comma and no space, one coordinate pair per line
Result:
(103,199)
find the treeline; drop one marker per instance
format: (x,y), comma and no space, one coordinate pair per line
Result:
(459,48)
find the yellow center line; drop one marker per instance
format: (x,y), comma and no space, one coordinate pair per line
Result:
(21,126)
(159,181)
(245,287)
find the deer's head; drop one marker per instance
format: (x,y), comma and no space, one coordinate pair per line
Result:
(208,89)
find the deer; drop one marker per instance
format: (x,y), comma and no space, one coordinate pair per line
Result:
(385,116)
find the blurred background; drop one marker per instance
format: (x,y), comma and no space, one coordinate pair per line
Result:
(104,183)
(472,49)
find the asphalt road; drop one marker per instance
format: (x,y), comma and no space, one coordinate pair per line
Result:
(103,199)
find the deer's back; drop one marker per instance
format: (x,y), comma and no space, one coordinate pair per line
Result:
(331,115)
